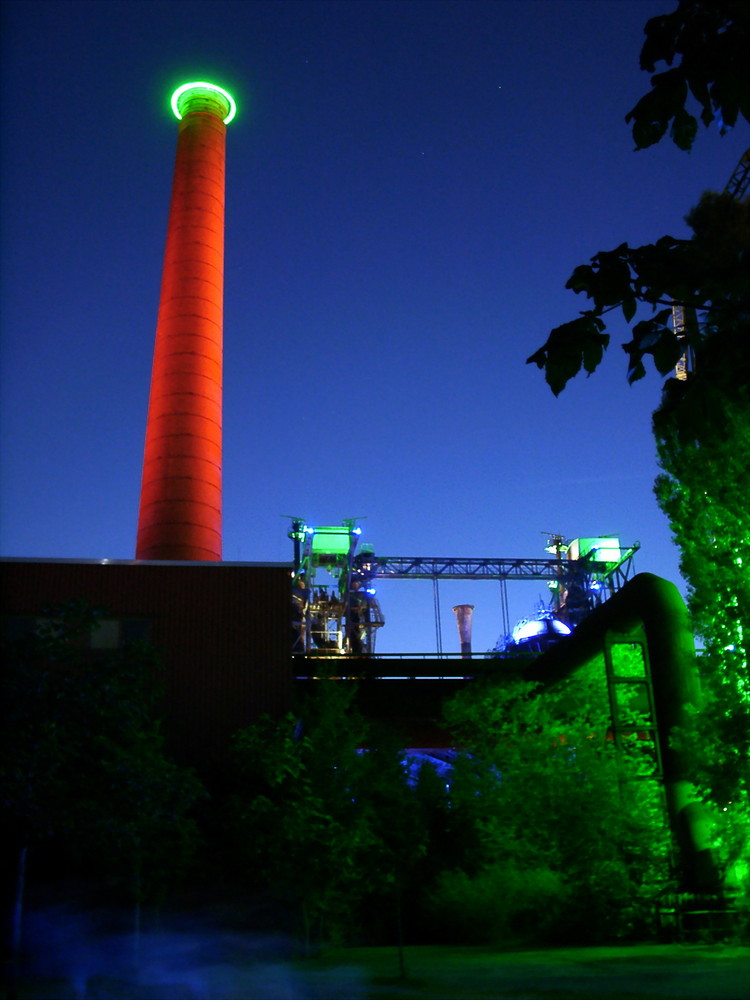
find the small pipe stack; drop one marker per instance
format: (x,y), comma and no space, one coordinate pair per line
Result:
(463,613)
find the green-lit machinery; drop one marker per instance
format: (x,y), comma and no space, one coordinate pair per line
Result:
(335,611)
(589,574)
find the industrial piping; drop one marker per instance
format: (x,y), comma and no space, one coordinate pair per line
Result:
(181,500)
(656,605)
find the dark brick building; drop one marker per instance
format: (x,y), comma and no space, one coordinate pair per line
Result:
(223,631)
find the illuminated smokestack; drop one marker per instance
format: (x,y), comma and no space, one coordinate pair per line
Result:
(463,613)
(180,508)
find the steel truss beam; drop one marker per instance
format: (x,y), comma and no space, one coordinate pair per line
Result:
(432,568)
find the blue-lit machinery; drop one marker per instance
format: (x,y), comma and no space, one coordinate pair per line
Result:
(335,611)
(534,635)
(588,573)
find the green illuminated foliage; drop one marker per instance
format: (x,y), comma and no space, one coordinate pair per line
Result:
(702,429)
(702,426)
(565,846)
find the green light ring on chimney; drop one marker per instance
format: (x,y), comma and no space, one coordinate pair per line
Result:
(202,86)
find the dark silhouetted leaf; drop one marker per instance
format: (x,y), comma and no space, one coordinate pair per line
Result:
(659,46)
(684,129)
(667,351)
(582,279)
(580,342)
(712,39)
(647,134)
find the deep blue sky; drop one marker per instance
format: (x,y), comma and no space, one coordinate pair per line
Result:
(409,186)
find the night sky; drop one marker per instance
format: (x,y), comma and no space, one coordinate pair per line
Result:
(409,186)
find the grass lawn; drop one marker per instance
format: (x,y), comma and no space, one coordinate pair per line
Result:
(650,972)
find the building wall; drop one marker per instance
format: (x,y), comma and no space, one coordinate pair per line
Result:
(222,629)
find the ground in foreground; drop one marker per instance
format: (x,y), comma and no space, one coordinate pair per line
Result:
(647,972)
(650,972)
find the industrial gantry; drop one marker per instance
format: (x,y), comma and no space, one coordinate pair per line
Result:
(343,617)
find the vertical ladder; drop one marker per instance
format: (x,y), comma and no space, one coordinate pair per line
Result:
(637,687)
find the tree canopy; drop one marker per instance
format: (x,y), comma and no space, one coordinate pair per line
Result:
(82,757)
(704,273)
(709,38)
(702,425)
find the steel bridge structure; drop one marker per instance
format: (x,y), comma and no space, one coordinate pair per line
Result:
(581,584)
(454,568)
(343,618)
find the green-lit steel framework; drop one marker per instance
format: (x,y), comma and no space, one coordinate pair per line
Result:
(580,584)
(343,618)
(331,619)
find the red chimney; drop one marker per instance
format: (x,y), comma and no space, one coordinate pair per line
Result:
(180,507)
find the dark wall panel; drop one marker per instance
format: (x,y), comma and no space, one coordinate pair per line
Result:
(222,630)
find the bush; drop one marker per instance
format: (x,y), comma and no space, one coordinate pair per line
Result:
(500,905)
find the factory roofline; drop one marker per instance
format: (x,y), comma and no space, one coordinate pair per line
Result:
(141,562)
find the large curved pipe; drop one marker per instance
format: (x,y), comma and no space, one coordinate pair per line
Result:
(656,605)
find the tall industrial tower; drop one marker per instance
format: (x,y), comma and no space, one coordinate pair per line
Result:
(180,506)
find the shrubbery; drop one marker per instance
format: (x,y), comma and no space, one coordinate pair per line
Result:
(538,837)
